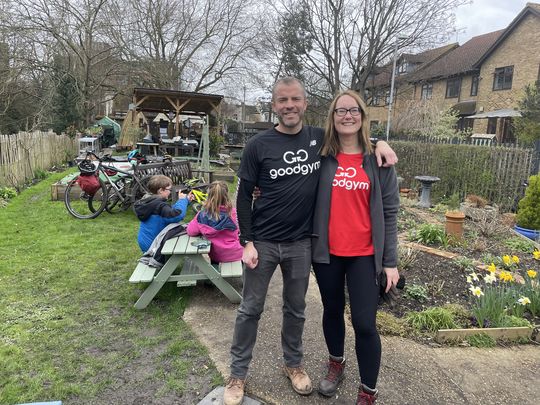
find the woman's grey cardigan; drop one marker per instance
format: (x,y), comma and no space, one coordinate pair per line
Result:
(383,203)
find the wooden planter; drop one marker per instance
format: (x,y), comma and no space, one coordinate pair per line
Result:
(454,223)
(452,335)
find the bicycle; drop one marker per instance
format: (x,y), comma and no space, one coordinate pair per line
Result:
(197,188)
(100,187)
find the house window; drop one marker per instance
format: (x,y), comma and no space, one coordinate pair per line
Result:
(474,85)
(403,67)
(502,79)
(427,91)
(376,97)
(452,87)
(492,126)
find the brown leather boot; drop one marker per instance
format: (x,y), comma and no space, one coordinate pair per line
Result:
(300,381)
(334,375)
(366,396)
(234,391)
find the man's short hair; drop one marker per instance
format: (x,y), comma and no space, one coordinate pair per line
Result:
(158,181)
(287,81)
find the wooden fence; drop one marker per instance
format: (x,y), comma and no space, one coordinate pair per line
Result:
(493,172)
(22,154)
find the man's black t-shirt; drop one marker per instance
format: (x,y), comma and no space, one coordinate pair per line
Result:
(286,169)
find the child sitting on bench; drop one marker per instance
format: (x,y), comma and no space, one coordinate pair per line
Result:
(217,222)
(155,213)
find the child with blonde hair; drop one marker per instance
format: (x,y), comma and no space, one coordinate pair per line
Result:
(218,222)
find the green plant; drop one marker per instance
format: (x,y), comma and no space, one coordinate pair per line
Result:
(531,289)
(528,125)
(416,292)
(464,263)
(7,193)
(528,214)
(430,234)
(513,321)
(519,244)
(431,319)
(388,324)
(453,202)
(40,174)
(481,340)
(216,142)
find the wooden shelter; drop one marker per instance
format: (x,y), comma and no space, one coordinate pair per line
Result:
(165,101)
(172,103)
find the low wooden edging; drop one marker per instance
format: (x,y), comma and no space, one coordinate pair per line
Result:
(447,335)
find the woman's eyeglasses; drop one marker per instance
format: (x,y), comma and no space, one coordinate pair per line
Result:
(168,188)
(342,112)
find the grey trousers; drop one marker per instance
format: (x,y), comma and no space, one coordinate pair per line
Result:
(294,259)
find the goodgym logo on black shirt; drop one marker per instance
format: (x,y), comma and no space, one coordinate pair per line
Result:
(293,163)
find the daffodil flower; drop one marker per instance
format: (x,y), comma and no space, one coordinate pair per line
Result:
(531,273)
(476,291)
(474,276)
(469,280)
(490,278)
(506,276)
(492,268)
(536,254)
(515,259)
(506,260)
(524,301)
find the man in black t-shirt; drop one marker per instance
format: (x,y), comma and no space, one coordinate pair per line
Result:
(275,229)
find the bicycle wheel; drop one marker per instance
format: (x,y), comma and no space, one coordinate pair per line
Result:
(114,202)
(83,205)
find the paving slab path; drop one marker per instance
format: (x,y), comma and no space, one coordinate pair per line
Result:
(411,373)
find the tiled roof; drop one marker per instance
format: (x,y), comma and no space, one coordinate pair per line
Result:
(384,73)
(460,60)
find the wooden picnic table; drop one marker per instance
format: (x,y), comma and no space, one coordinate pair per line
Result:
(196,267)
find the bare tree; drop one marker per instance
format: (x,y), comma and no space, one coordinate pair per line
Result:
(73,30)
(183,44)
(347,39)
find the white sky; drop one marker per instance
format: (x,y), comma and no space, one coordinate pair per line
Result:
(483,16)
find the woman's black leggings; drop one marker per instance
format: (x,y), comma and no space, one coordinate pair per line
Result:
(363,297)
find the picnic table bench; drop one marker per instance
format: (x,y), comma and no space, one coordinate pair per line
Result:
(196,267)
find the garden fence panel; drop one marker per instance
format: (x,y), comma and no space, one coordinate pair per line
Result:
(493,172)
(22,154)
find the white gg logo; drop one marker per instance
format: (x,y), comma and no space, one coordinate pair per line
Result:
(349,172)
(300,156)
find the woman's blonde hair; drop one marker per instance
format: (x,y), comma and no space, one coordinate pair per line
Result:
(331,139)
(218,196)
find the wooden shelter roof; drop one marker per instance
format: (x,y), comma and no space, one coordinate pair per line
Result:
(162,100)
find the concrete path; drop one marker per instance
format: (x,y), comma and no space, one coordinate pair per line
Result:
(411,373)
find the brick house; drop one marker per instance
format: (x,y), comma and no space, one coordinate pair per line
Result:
(482,80)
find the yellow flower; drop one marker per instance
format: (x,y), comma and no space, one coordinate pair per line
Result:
(506,260)
(490,278)
(531,273)
(474,276)
(524,301)
(476,291)
(469,280)
(491,268)
(515,259)
(536,254)
(506,276)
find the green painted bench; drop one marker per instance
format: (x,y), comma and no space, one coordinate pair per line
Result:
(195,268)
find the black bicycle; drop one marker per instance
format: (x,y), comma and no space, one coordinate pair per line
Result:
(100,187)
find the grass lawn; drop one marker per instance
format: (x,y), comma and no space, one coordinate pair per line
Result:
(68,329)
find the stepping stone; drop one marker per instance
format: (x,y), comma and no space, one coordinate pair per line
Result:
(216,398)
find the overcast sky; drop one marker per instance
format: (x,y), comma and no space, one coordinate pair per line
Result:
(483,16)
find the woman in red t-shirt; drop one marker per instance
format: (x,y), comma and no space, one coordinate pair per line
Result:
(355,239)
